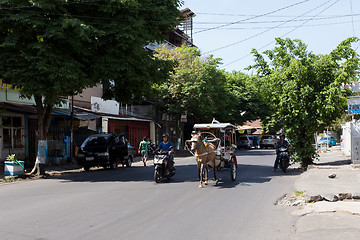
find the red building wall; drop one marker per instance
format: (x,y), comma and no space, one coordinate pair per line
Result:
(135,130)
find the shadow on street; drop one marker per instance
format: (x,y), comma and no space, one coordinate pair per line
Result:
(246,174)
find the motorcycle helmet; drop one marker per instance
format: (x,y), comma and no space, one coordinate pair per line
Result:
(165,135)
(282,135)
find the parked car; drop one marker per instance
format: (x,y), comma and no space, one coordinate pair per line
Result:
(106,150)
(327,140)
(245,142)
(268,141)
(255,139)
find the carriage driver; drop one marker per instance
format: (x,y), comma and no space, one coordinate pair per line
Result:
(168,147)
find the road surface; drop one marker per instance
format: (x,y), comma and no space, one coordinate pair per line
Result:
(126,204)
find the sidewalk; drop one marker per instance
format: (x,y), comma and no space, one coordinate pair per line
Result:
(73,167)
(54,170)
(332,208)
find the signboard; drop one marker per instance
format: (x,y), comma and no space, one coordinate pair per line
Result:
(102,106)
(183,118)
(354,106)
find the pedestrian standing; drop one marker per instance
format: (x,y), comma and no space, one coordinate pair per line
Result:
(143,149)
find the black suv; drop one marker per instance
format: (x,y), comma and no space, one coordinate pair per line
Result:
(106,150)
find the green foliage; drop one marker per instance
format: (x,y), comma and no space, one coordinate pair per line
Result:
(52,48)
(198,87)
(246,100)
(194,86)
(305,91)
(10,158)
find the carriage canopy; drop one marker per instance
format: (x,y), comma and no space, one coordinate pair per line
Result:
(214,126)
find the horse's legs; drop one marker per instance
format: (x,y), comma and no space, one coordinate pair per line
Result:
(201,174)
(198,168)
(206,174)
(214,171)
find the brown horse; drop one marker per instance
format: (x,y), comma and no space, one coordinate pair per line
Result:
(205,153)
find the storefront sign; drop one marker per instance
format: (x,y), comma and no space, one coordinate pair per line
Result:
(354,106)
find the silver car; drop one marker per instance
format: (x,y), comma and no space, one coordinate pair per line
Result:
(267,141)
(245,142)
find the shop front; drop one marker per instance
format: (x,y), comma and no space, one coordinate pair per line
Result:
(136,129)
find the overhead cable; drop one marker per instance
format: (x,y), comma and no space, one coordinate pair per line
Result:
(277,26)
(257,16)
(297,27)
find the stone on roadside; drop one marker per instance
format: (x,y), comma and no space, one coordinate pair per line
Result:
(343,196)
(333,175)
(298,202)
(315,198)
(331,197)
(356,195)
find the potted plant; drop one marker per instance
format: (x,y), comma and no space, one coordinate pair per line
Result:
(13,166)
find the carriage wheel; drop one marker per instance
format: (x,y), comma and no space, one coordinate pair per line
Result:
(233,171)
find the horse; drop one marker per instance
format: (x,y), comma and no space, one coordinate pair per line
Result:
(205,153)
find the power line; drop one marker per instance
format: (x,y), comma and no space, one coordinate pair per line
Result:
(257,16)
(258,34)
(309,25)
(252,15)
(297,27)
(352,18)
(281,21)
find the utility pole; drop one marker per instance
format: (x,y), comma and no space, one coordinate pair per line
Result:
(71,129)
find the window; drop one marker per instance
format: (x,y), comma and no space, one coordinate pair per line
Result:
(12,132)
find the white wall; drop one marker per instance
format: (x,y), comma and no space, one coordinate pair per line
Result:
(355,142)
(102,106)
(346,134)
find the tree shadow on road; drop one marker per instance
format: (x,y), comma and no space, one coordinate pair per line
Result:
(246,175)
(252,174)
(184,173)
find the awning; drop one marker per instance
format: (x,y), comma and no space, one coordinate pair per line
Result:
(19,108)
(86,116)
(81,115)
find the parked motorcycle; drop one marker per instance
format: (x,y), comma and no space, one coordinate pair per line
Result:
(160,159)
(284,158)
(151,150)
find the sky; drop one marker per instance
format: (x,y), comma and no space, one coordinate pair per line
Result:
(320,24)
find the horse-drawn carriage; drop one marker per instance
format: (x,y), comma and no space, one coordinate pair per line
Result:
(213,145)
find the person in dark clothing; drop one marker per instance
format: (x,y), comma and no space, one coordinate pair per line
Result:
(168,147)
(281,143)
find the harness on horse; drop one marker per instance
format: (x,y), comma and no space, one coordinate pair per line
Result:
(205,142)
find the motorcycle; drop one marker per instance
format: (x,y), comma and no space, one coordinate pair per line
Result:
(151,150)
(284,158)
(160,159)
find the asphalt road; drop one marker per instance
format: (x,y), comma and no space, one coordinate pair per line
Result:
(127,204)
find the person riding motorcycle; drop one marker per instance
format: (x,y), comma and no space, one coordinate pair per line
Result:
(281,143)
(168,147)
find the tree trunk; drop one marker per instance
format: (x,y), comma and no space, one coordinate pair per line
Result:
(44,119)
(309,151)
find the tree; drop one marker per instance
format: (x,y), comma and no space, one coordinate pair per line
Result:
(53,48)
(195,85)
(247,101)
(198,87)
(306,92)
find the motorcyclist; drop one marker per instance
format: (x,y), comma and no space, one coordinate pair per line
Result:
(168,147)
(281,143)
